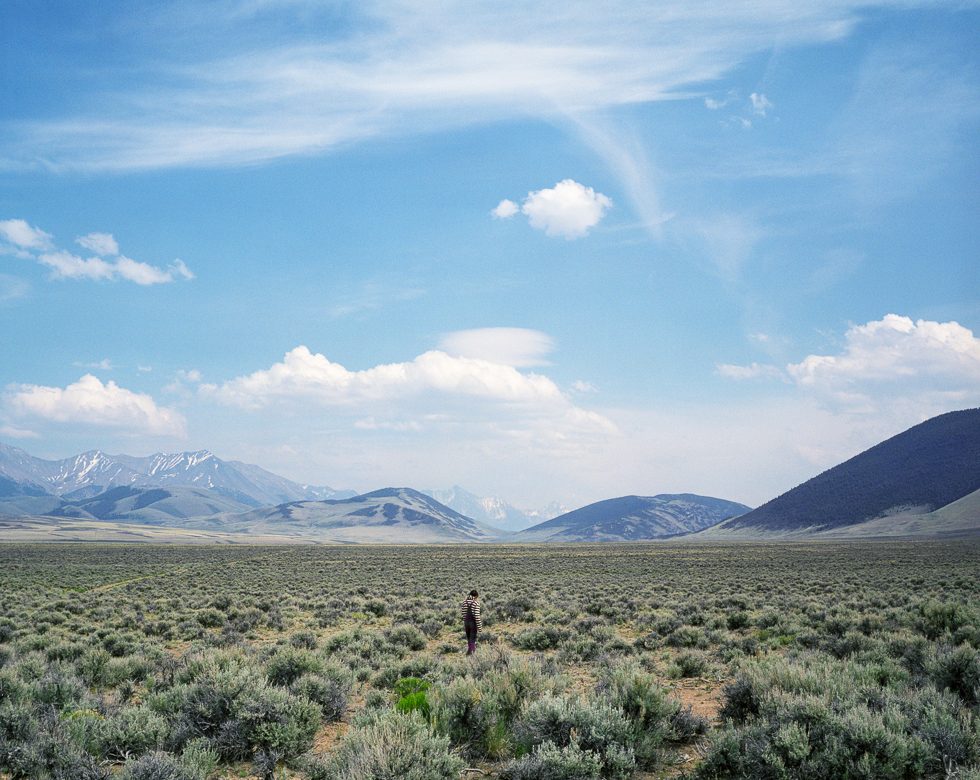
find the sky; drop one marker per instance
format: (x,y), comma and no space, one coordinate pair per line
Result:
(548,252)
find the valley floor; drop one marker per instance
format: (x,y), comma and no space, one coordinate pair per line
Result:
(792,659)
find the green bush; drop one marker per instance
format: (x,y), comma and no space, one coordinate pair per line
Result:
(411,696)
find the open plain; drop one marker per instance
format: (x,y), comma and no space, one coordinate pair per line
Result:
(819,660)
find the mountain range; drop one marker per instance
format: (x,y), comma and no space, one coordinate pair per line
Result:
(91,473)
(924,481)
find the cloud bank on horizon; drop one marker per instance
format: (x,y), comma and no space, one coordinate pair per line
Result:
(746,251)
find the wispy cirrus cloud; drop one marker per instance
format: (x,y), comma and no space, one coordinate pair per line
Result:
(402,67)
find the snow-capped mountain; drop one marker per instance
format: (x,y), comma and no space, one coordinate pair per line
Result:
(492,510)
(91,473)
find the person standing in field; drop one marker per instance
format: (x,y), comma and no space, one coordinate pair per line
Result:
(472,620)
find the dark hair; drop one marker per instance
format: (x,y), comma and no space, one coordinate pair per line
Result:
(474,594)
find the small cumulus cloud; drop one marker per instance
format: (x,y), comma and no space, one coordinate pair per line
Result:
(20,238)
(90,402)
(519,347)
(567,210)
(19,235)
(505,209)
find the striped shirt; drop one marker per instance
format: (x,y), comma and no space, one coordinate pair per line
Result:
(470,610)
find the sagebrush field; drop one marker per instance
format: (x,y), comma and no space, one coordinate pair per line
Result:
(819,660)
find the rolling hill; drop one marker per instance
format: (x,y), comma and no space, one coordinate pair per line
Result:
(923,469)
(632,518)
(391,515)
(148,506)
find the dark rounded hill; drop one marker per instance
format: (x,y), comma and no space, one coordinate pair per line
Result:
(631,518)
(927,466)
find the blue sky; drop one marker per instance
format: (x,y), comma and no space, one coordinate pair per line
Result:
(546,254)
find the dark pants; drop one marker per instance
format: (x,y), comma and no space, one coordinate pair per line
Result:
(471,632)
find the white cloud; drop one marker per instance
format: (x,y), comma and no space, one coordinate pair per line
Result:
(178,268)
(519,347)
(21,235)
(410,66)
(103,244)
(896,350)
(455,396)
(581,386)
(568,209)
(90,402)
(31,242)
(752,371)
(760,103)
(926,366)
(303,373)
(65,265)
(143,273)
(505,209)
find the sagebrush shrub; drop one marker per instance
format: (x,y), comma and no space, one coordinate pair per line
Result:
(389,745)
(592,725)
(550,762)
